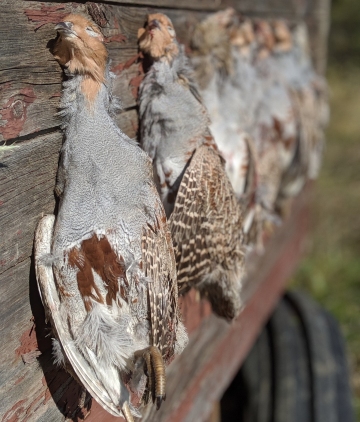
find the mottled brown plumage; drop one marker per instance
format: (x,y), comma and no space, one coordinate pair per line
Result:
(206,227)
(205,217)
(105,264)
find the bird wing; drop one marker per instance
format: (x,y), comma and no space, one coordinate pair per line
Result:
(294,176)
(251,171)
(206,221)
(159,266)
(102,384)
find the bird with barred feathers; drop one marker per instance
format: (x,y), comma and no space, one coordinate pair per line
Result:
(204,215)
(276,130)
(291,61)
(223,48)
(267,110)
(105,264)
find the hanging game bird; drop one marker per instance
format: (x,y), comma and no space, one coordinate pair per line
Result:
(223,49)
(292,62)
(204,216)
(268,110)
(105,265)
(229,94)
(276,128)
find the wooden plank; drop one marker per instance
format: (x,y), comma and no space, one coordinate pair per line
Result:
(27,180)
(30,84)
(30,79)
(318,22)
(272,8)
(216,349)
(128,121)
(25,389)
(292,9)
(208,5)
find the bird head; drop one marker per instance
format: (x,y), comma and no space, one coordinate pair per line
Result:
(243,34)
(211,36)
(80,47)
(158,38)
(264,36)
(211,41)
(282,34)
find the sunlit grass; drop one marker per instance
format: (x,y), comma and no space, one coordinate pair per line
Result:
(331,270)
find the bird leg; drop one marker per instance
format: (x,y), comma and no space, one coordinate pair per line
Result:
(127,413)
(155,368)
(150,377)
(159,374)
(82,397)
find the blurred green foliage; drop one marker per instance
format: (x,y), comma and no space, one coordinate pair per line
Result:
(331,270)
(344,45)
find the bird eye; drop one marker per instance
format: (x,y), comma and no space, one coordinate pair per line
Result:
(91,32)
(171,31)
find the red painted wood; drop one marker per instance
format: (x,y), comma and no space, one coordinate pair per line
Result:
(233,348)
(216,349)
(98,414)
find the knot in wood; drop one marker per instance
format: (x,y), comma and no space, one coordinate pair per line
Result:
(17,109)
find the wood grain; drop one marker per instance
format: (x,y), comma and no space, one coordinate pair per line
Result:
(207,5)
(30,87)
(216,348)
(318,22)
(27,390)
(30,79)
(27,179)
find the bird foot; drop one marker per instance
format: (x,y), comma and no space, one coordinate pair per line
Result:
(127,412)
(155,369)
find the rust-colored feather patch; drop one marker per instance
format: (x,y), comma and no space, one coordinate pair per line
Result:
(158,41)
(97,254)
(83,54)
(85,279)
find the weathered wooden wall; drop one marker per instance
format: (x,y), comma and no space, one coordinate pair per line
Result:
(30,85)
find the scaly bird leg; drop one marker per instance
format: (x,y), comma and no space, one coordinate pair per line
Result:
(155,368)
(150,376)
(127,413)
(84,397)
(159,374)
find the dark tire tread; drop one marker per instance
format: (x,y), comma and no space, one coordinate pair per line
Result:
(296,372)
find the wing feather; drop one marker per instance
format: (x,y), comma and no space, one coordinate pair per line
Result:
(206,224)
(88,374)
(159,266)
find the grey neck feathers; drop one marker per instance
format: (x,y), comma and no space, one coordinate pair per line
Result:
(73,100)
(171,109)
(102,173)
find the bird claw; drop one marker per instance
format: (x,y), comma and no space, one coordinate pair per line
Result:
(159,401)
(155,368)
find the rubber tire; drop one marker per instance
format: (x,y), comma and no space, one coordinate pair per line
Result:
(296,371)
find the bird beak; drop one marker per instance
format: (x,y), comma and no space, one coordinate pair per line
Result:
(65,28)
(154,24)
